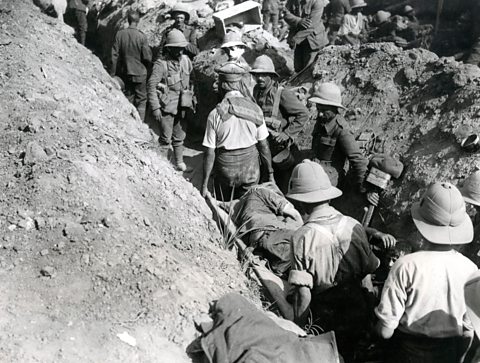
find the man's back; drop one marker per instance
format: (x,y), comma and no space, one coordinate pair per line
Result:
(423,294)
(132,48)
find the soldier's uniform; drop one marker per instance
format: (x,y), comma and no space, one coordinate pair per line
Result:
(308,41)
(175,75)
(283,112)
(77,18)
(333,143)
(270,12)
(130,54)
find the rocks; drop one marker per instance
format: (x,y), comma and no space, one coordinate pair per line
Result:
(74,231)
(34,153)
(47,271)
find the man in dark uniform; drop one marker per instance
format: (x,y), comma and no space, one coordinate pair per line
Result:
(285,116)
(270,13)
(333,141)
(307,32)
(181,15)
(77,18)
(337,10)
(130,55)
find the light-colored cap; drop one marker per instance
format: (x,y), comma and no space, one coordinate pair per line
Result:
(471,189)
(328,94)
(358,4)
(441,217)
(407,9)
(233,39)
(382,16)
(181,8)
(310,184)
(263,64)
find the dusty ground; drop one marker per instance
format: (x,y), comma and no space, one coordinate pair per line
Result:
(98,234)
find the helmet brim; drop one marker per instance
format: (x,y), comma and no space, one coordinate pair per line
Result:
(263,71)
(321,101)
(316,196)
(445,235)
(234,43)
(176,45)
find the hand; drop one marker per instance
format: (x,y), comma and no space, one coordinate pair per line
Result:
(204,191)
(373,198)
(281,137)
(387,240)
(305,23)
(157,115)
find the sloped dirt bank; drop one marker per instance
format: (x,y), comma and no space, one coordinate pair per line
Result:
(98,234)
(420,105)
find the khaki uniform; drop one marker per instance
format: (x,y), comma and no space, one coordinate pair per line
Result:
(333,143)
(170,79)
(307,42)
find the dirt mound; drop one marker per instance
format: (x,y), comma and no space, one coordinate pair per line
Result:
(99,235)
(419,104)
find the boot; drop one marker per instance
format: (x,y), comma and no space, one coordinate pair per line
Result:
(178,158)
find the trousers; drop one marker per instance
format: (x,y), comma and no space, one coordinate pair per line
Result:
(172,130)
(136,93)
(270,17)
(303,55)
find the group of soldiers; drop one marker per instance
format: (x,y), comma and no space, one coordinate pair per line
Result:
(327,257)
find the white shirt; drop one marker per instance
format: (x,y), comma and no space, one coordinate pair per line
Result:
(234,133)
(423,294)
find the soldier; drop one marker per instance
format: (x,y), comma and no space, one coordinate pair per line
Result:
(270,12)
(77,17)
(170,93)
(234,48)
(471,194)
(330,257)
(285,115)
(422,304)
(235,137)
(307,33)
(333,142)
(130,56)
(337,10)
(181,16)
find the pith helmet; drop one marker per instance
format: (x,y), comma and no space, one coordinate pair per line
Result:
(264,64)
(328,94)
(175,38)
(471,189)
(232,39)
(407,9)
(382,16)
(310,184)
(182,9)
(440,216)
(358,4)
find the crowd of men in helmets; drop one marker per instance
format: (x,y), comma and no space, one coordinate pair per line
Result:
(327,257)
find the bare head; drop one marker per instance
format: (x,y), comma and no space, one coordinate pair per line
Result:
(133,17)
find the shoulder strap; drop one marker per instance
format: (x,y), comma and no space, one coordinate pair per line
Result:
(323,230)
(276,102)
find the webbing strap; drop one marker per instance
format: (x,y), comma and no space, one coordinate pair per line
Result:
(276,102)
(323,230)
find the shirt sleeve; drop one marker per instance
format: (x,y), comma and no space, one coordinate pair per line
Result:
(210,138)
(394,296)
(299,273)
(262,132)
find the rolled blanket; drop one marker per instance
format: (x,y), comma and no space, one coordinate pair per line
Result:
(237,167)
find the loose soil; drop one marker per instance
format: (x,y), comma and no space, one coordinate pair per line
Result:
(99,235)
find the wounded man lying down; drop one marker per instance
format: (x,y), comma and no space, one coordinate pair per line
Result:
(267,222)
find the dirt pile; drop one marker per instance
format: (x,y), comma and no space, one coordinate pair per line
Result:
(420,105)
(99,235)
